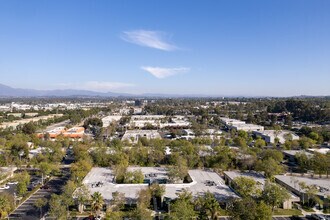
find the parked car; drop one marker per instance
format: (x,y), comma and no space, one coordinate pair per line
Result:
(4,187)
(318,217)
(12,183)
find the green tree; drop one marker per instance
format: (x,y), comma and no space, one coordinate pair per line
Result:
(247,187)
(83,196)
(320,163)
(39,204)
(208,205)
(248,209)
(80,169)
(29,128)
(179,171)
(67,195)
(306,142)
(274,195)
(269,166)
(260,143)
(183,207)
(57,207)
(303,161)
(21,188)
(6,204)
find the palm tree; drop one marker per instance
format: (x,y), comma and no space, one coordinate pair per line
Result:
(97,202)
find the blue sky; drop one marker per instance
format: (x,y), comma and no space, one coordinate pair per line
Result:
(219,47)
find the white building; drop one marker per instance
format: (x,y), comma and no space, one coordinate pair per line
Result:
(241,125)
(109,119)
(202,181)
(134,135)
(270,135)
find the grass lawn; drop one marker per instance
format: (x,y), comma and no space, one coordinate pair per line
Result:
(287,212)
(307,209)
(223,212)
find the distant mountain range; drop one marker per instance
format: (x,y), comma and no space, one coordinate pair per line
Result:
(7,91)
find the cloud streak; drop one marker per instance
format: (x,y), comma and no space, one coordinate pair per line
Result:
(161,72)
(153,39)
(96,86)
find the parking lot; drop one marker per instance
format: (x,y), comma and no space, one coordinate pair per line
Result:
(27,211)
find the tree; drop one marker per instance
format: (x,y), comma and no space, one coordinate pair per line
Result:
(144,198)
(260,143)
(306,142)
(83,196)
(141,213)
(29,128)
(263,212)
(179,171)
(134,177)
(80,169)
(320,163)
(311,192)
(97,202)
(157,190)
(208,205)
(118,201)
(183,207)
(67,194)
(248,209)
(246,187)
(6,204)
(303,161)
(46,168)
(95,125)
(143,202)
(57,207)
(269,166)
(21,188)
(39,204)
(274,195)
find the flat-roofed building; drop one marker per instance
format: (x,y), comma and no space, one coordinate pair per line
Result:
(73,133)
(271,135)
(291,154)
(109,119)
(294,184)
(240,125)
(319,150)
(134,135)
(202,181)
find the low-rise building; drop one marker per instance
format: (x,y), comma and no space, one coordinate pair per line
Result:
(260,181)
(102,180)
(270,136)
(240,125)
(109,119)
(134,135)
(296,183)
(73,133)
(290,155)
(319,150)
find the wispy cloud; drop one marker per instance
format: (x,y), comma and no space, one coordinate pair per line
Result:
(154,39)
(161,72)
(96,86)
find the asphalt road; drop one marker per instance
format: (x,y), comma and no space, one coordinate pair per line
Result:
(27,211)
